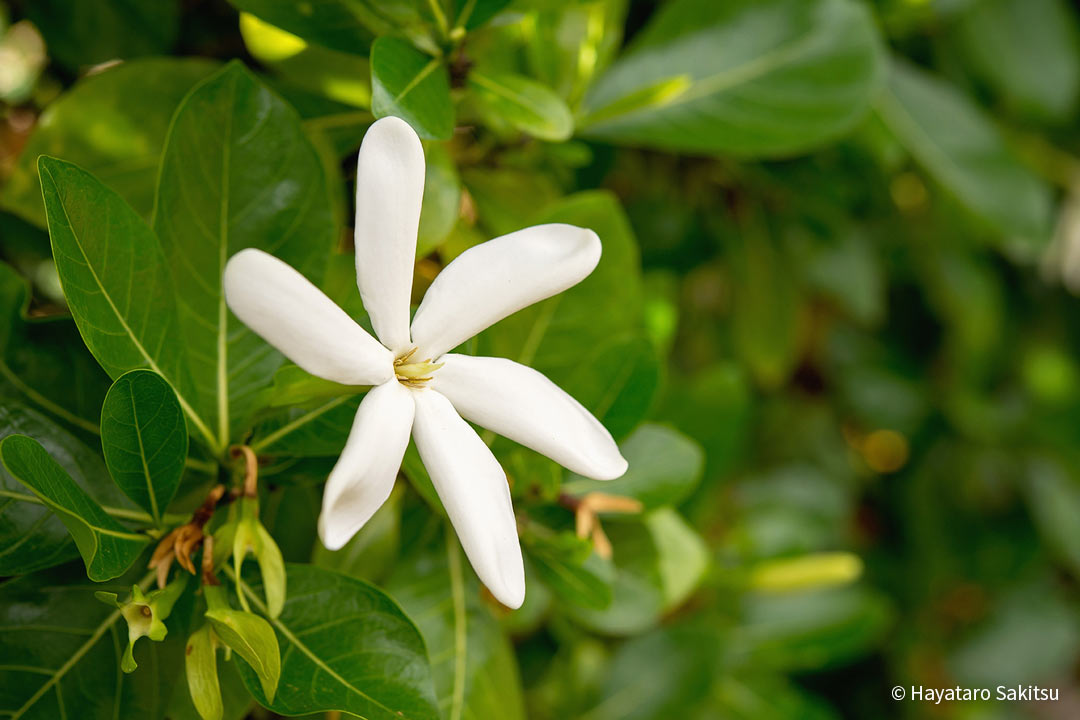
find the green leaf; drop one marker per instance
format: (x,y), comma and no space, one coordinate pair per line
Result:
(522,104)
(62,653)
(1054,497)
(1028,52)
(314,430)
(44,361)
(663,674)
(568,566)
(237,172)
(32,537)
(665,467)
(475,670)
(96,126)
(413,86)
(116,281)
(766,304)
(108,549)
(337,24)
(88,32)
(658,563)
(815,629)
(250,636)
(145,439)
(442,199)
(382,673)
(732,77)
(590,339)
(963,151)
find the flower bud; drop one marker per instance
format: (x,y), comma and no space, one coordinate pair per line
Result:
(245,534)
(248,634)
(145,614)
(200,665)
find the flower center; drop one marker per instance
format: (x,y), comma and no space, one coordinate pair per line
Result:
(414,374)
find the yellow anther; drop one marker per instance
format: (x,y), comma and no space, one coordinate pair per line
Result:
(414,374)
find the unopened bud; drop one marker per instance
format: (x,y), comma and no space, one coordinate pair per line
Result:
(200,664)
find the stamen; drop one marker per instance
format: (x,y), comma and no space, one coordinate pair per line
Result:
(414,374)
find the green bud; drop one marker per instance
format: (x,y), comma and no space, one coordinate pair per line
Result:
(249,635)
(145,614)
(247,535)
(200,664)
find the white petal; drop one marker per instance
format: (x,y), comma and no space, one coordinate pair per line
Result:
(474,492)
(389,188)
(494,279)
(522,404)
(290,313)
(364,474)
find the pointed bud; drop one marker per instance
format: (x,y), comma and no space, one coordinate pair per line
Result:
(245,534)
(145,614)
(200,665)
(249,635)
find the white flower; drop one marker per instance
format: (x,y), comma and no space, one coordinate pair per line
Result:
(420,387)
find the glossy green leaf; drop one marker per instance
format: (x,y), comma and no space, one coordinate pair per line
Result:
(32,537)
(145,439)
(665,467)
(589,340)
(237,172)
(345,645)
(522,104)
(85,33)
(127,317)
(62,652)
(476,673)
(1028,52)
(569,568)
(337,24)
(108,548)
(412,86)
(658,563)
(442,199)
(95,126)
(965,153)
(317,429)
(44,362)
(732,77)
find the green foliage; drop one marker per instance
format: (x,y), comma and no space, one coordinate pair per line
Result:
(106,546)
(64,654)
(731,77)
(832,330)
(964,152)
(212,204)
(31,535)
(94,126)
(144,438)
(408,84)
(326,612)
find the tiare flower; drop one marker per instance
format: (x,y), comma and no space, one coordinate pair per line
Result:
(420,387)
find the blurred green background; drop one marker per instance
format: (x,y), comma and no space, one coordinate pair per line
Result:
(871,332)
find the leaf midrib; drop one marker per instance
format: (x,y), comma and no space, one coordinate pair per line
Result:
(295,641)
(78,654)
(123,323)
